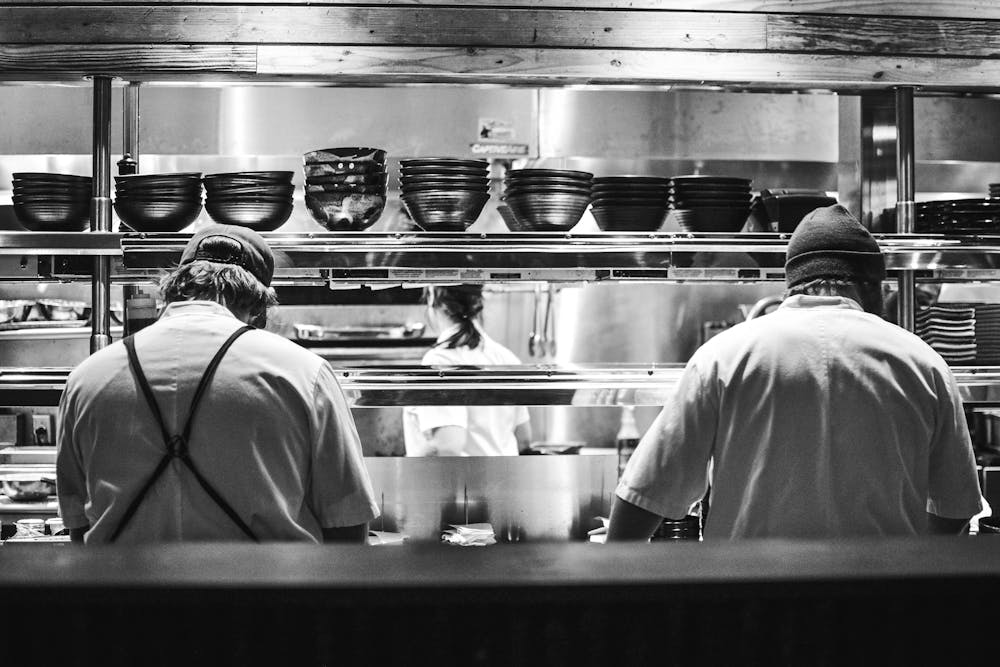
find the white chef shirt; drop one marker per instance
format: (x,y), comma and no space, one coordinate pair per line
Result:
(490,428)
(273,435)
(822,420)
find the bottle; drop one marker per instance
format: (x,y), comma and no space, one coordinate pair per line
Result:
(140,312)
(627,438)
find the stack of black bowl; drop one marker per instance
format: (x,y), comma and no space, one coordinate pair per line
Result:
(260,200)
(710,203)
(52,202)
(630,203)
(444,194)
(345,187)
(158,202)
(546,200)
(958,216)
(994,190)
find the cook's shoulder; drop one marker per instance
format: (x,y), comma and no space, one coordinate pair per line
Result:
(279,346)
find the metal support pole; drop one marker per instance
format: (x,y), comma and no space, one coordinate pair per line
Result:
(129,164)
(905,207)
(100,214)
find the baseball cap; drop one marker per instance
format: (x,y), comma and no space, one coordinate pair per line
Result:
(229,244)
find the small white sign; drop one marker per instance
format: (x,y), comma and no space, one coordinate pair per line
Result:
(495,129)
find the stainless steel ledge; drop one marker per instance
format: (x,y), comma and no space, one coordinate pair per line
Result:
(575,385)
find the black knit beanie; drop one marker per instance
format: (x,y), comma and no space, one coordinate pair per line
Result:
(831,243)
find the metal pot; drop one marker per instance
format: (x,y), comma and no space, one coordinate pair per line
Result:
(27,486)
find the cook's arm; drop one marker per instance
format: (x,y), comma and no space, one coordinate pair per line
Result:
(630,522)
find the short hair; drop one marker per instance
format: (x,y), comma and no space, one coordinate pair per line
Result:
(866,292)
(232,286)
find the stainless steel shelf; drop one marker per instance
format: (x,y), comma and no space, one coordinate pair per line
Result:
(576,385)
(420,257)
(417,257)
(60,243)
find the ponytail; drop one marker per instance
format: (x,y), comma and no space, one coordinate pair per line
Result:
(464,304)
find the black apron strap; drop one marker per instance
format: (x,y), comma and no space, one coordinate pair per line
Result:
(177,446)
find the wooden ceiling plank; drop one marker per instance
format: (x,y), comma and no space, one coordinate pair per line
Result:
(568,66)
(366,25)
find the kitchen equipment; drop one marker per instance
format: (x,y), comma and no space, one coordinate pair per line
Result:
(781,210)
(26,487)
(158,202)
(61,310)
(345,187)
(444,194)
(713,203)
(688,528)
(550,200)
(259,200)
(15,310)
(51,202)
(630,203)
(989,525)
(311,332)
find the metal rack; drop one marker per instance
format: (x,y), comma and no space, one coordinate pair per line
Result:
(530,384)
(423,257)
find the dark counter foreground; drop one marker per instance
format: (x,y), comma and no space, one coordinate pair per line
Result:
(763,602)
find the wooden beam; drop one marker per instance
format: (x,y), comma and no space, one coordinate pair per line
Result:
(897,36)
(62,60)
(973,9)
(356,65)
(488,27)
(364,25)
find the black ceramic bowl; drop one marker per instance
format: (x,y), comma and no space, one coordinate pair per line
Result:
(157,215)
(444,210)
(716,219)
(53,216)
(345,155)
(262,215)
(345,211)
(548,212)
(629,218)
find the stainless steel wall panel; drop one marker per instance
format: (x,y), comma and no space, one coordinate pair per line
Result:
(526,498)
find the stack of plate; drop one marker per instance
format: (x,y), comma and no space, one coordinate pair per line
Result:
(158,202)
(988,334)
(52,202)
(994,190)
(260,200)
(546,200)
(630,203)
(444,194)
(345,187)
(950,330)
(958,216)
(713,203)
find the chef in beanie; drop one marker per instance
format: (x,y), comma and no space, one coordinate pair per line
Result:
(831,252)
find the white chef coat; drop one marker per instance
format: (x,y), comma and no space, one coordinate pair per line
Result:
(822,420)
(273,435)
(490,428)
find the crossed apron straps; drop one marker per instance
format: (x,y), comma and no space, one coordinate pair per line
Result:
(177,445)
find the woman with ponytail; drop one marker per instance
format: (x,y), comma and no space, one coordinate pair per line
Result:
(458,430)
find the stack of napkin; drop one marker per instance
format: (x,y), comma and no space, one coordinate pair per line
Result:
(470,535)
